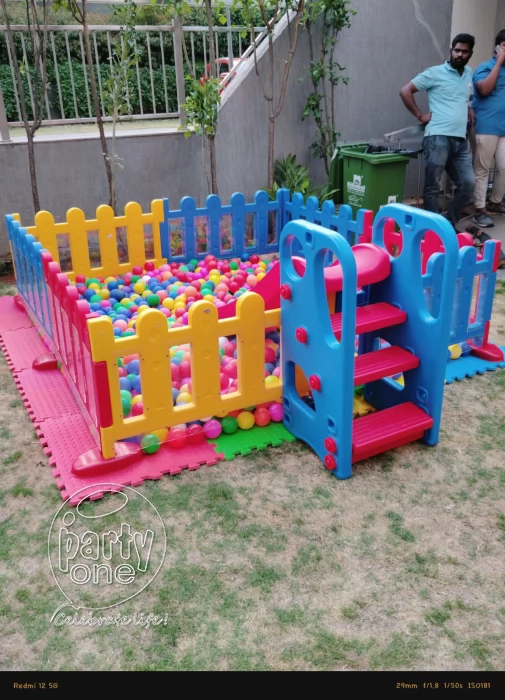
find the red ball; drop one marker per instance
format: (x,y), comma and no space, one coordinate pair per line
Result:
(198,297)
(181,276)
(175,371)
(234,287)
(212,265)
(149,266)
(254,259)
(179,313)
(176,437)
(224,381)
(137,409)
(225,268)
(194,434)
(270,355)
(262,417)
(209,258)
(80,279)
(137,270)
(134,308)
(229,349)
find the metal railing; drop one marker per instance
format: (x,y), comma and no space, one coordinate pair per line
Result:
(165,49)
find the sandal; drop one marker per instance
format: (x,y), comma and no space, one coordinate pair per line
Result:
(479,237)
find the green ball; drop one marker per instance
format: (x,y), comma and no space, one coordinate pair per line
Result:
(126,334)
(184,268)
(359,390)
(134,279)
(194,262)
(229,425)
(234,266)
(126,402)
(153,300)
(93,280)
(95,299)
(150,444)
(119,362)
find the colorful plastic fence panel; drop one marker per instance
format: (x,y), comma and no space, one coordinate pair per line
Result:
(152,344)
(106,245)
(69,316)
(26,254)
(226,231)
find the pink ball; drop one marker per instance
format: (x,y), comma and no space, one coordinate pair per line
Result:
(251,280)
(231,370)
(212,429)
(224,381)
(277,372)
(276,412)
(122,325)
(122,372)
(229,349)
(175,372)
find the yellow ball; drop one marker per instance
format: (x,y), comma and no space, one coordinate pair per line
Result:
(161,434)
(94,285)
(260,276)
(208,297)
(262,265)
(272,380)
(179,305)
(136,399)
(139,287)
(142,309)
(245,420)
(104,293)
(146,294)
(109,279)
(168,303)
(131,323)
(124,301)
(184,397)
(455,351)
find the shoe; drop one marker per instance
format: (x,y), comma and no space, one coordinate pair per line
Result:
(483,220)
(498,208)
(480,238)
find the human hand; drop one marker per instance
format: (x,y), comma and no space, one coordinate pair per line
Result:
(425,118)
(471,116)
(500,55)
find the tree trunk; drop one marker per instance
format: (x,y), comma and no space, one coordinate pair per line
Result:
(212,50)
(213,169)
(96,104)
(33,174)
(271,151)
(318,119)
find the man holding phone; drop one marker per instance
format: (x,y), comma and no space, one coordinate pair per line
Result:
(489,107)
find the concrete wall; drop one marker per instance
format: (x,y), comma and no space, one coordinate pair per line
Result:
(500,16)
(388,44)
(476,17)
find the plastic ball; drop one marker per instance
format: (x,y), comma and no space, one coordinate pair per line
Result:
(212,429)
(245,420)
(150,444)
(161,434)
(126,402)
(229,425)
(177,437)
(262,417)
(276,412)
(137,409)
(455,351)
(195,434)
(272,380)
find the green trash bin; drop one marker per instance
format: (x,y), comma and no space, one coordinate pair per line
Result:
(336,177)
(372,180)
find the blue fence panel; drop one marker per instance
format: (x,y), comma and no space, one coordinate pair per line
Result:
(30,279)
(463,326)
(225,231)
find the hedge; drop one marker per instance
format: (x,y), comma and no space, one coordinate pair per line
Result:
(80,90)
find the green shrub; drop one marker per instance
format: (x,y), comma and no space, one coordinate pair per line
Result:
(9,95)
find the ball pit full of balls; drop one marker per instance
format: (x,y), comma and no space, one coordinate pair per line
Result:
(173,289)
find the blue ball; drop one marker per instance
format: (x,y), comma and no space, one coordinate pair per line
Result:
(89,293)
(95,306)
(136,384)
(269,367)
(112,285)
(133,367)
(118,333)
(175,394)
(124,383)
(117,294)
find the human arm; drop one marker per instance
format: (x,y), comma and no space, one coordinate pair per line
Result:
(471,116)
(485,86)
(407,94)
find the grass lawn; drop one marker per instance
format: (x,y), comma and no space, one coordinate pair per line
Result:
(274,564)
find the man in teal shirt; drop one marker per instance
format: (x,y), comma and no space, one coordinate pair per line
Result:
(449,88)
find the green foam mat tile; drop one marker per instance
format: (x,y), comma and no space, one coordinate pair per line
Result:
(244,441)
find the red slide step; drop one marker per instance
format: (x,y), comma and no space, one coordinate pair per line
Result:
(383,363)
(371,318)
(387,429)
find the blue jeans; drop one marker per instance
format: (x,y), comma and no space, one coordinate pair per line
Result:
(451,154)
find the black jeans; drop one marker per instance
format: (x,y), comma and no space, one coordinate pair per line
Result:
(451,154)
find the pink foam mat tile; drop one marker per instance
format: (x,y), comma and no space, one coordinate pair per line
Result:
(149,468)
(21,347)
(45,394)
(11,316)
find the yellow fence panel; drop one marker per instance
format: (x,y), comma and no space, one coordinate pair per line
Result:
(152,344)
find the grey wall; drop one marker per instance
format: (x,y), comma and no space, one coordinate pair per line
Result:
(389,42)
(500,16)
